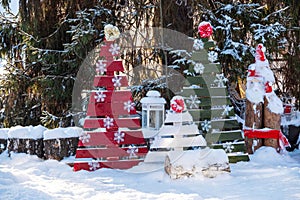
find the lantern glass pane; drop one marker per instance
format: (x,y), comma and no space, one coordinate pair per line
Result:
(152,119)
(159,119)
(144,118)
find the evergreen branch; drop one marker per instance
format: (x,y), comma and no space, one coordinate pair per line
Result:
(274,13)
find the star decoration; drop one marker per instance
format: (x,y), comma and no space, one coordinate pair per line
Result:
(94,165)
(129,105)
(198,45)
(228,147)
(114,49)
(227,110)
(212,56)
(108,122)
(100,96)
(220,80)
(199,68)
(101,66)
(119,136)
(206,125)
(117,81)
(193,102)
(85,137)
(132,150)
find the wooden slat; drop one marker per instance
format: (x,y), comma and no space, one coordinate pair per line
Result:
(108,138)
(156,157)
(204,92)
(178,142)
(209,101)
(222,124)
(217,91)
(200,92)
(115,66)
(107,81)
(208,114)
(223,136)
(118,122)
(201,56)
(195,80)
(227,124)
(108,152)
(234,158)
(104,51)
(112,96)
(112,65)
(238,146)
(200,80)
(104,109)
(119,164)
(185,130)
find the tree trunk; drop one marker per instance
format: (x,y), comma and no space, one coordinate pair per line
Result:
(271,120)
(254,115)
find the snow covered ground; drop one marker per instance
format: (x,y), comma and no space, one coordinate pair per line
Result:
(267,176)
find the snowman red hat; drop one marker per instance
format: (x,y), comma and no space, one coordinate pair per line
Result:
(260,53)
(262,65)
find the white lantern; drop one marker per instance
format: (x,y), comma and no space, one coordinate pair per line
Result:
(153,112)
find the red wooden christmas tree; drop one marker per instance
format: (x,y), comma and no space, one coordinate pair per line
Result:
(112,136)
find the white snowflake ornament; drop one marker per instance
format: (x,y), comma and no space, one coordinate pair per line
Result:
(93,165)
(132,150)
(206,125)
(101,66)
(117,81)
(114,49)
(228,147)
(220,80)
(108,122)
(227,110)
(212,56)
(100,96)
(85,137)
(119,136)
(193,102)
(129,105)
(199,68)
(198,45)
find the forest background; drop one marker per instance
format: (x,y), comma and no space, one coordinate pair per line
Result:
(46,42)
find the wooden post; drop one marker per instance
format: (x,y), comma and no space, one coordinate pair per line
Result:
(271,120)
(254,113)
(252,144)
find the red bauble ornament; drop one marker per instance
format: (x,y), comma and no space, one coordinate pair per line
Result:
(205,29)
(268,87)
(177,105)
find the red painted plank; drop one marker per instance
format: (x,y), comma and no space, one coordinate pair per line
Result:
(118,122)
(111,138)
(110,152)
(109,50)
(123,164)
(109,66)
(115,66)
(110,96)
(110,81)
(115,109)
